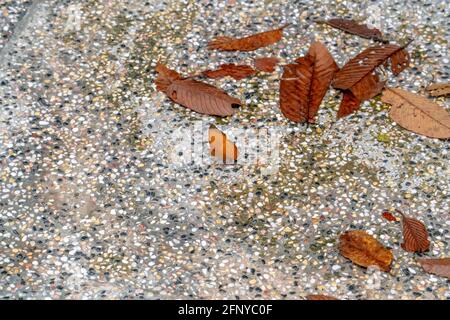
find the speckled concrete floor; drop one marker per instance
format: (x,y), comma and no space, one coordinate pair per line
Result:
(92,204)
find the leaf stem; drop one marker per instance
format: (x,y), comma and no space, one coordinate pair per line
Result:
(398,211)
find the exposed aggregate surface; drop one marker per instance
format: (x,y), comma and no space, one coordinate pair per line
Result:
(94,206)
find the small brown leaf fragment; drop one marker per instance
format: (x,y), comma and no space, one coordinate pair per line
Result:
(388,216)
(249,43)
(320,297)
(399,61)
(349,104)
(417,113)
(266,64)
(237,72)
(195,95)
(439,89)
(415,235)
(221,147)
(440,267)
(353,27)
(304,84)
(364,250)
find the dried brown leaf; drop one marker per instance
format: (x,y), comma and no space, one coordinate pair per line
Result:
(320,297)
(439,89)
(368,87)
(304,84)
(221,147)
(349,104)
(364,250)
(358,74)
(440,267)
(202,97)
(415,235)
(165,77)
(195,95)
(266,64)
(417,113)
(249,43)
(294,91)
(353,27)
(237,72)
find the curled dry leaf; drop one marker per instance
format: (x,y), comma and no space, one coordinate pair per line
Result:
(221,147)
(304,84)
(349,104)
(320,297)
(353,27)
(364,250)
(417,113)
(249,43)
(440,267)
(266,64)
(359,74)
(195,95)
(237,72)
(439,89)
(415,235)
